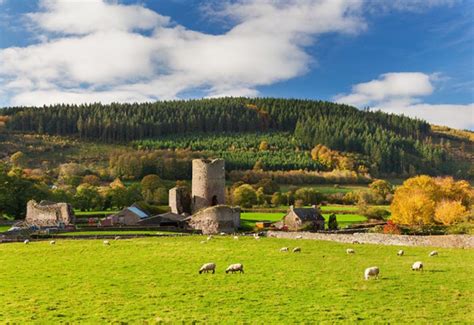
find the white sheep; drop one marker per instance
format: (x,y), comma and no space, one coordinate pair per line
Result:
(52,242)
(106,243)
(235,268)
(371,272)
(299,237)
(117,237)
(296,250)
(208,267)
(350,251)
(417,266)
(222,234)
(209,237)
(434,253)
(284,249)
(26,241)
(400,252)
(257,237)
(236,237)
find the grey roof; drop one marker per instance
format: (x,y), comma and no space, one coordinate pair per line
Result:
(171,216)
(307,214)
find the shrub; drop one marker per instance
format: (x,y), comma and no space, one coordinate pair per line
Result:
(450,212)
(245,196)
(332,222)
(375,213)
(391,228)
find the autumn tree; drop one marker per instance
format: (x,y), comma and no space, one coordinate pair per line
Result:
(245,196)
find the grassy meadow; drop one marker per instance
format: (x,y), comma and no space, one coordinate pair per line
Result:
(156,279)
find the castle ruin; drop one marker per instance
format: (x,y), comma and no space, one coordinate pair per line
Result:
(49,214)
(207,199)
(208,183)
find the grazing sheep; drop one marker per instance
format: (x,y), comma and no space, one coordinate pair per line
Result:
(236,237)
(222,234)
(117,237)
(52,242)
(299,237)
(400,252)
(257,237)
(296,250)
(235,268)
(350,251)
(284,249)
(371,272)
(106,243)
(208,267)
(417,266)
(209,237)
(26,242)
(434,253)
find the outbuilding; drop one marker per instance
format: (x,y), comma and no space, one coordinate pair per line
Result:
(298,219)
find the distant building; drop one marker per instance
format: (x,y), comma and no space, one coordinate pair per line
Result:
(49,214)
(216,219)
(168,219)
(298,219)
(128,217)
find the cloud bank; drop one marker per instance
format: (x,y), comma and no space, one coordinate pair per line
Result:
(103,51)
(400,93)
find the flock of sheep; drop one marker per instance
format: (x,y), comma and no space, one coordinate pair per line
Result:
(370,272)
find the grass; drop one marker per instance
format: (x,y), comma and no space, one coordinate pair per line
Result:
(327,189)
(156,279)
(79,213)
(107,232)
(248,219)
(4,228)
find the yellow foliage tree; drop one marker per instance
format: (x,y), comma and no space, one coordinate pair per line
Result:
(423,200)
(450,212)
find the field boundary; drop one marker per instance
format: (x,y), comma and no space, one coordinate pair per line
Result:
(444,241)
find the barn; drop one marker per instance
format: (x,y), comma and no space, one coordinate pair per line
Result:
(128,217)
(298,219)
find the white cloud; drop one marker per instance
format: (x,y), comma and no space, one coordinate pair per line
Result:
(91,50)
(400,93)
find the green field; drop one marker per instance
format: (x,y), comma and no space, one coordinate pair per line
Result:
(156,279)
(111,232)
(327,189)
(248,219)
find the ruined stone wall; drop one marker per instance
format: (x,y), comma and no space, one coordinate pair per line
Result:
(49,214)
(216,219)
(208,183)
(179,200)
(445,241)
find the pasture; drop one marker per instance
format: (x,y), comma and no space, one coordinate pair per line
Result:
(156,279)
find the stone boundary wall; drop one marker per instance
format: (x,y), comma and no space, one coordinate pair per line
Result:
(445,241)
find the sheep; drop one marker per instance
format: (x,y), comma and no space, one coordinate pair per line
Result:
(208,267)
(371,272)
(209,237)
(400,252)
(26,242)
(350,251)
(236,237)
(117,237)
(52,242)
(106,243)
(222,234)
(434,253)
(417,266)
(235,268)
(299,237)
(296,250)
(284,249)
(257,237)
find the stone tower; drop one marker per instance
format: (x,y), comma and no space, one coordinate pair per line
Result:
(208,183)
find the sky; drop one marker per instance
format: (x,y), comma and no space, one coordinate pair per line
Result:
(411,57)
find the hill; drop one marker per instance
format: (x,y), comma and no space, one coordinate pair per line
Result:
(275,134)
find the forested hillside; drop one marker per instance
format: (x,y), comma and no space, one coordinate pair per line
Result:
(374,141)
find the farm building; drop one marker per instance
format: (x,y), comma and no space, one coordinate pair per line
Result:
(216,219)
(49,214)
(129,216)
(168,219)
(303,219)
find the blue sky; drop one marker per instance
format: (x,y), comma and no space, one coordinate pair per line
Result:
(412,57)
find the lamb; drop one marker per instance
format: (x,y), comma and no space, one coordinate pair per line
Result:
(235,268)
(371,272)
(52,242)
(106,243)
(208,267)
(400,252)
(434,253)
(296,250)
(26,242)
(284,249)
(417,266)
(350,251)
